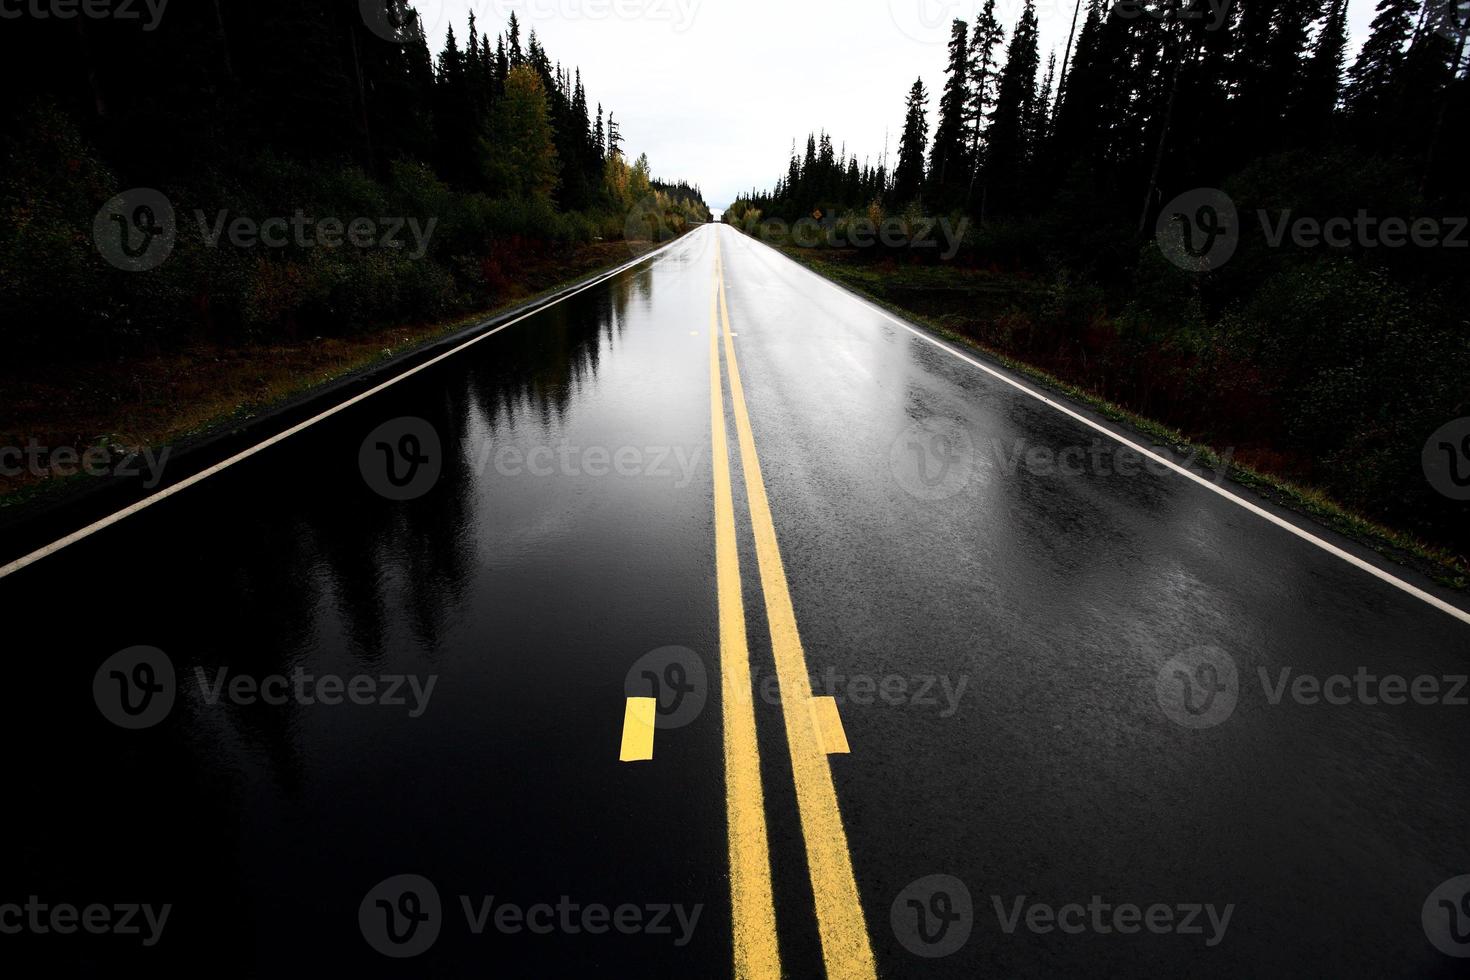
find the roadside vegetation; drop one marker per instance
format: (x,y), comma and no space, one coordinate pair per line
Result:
(480,176)
(1067,191)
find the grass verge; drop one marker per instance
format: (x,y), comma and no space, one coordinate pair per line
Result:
(139,402)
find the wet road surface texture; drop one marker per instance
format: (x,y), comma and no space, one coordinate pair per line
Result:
(953,684)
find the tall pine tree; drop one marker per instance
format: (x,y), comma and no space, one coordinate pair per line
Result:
(908,176)
(949,169)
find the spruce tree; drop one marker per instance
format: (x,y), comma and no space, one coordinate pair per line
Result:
(949,170)
(523,160)
(1077,109)
(988,36)
(908,176)
(513,37)
(1007,146)
(1371,78)
(1041,116)
(1322,85)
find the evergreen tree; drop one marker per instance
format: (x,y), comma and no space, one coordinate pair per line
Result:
(456,135)
(1007,148)
(1077,110)
(1371,78)
(908,176)
(614,138)
(949,169)
(982,72)
(513,39)
(523,161)
(1040,128)
(1322,84)
(1286,69)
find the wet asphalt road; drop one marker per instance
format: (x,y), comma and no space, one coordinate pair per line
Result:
(1056,669)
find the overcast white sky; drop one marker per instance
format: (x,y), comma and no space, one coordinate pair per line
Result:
(715,90)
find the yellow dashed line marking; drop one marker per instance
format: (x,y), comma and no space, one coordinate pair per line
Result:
(829,726)
(639,720)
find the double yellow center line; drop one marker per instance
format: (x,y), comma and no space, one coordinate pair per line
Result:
(845,948)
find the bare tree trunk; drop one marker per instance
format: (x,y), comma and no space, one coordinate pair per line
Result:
(1066,56)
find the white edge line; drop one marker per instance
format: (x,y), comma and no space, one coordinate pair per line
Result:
(1281,522)
(205,474)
